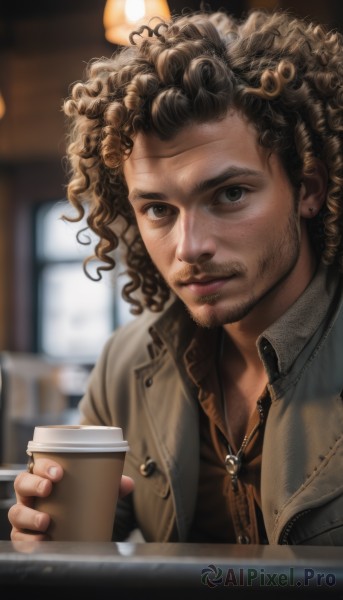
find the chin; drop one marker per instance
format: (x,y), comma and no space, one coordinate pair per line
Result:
(207,317)
(210,316)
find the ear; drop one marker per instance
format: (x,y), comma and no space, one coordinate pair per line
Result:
(313,191)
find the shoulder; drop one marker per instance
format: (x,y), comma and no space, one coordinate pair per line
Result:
(112,376)
(111,383)
(131,339)
(143,338)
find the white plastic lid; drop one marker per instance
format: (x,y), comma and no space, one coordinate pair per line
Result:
(77,438)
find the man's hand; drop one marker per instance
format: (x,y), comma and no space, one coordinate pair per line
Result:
(27,523)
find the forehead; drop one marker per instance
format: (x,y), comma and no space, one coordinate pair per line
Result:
(232,138)
(197,150)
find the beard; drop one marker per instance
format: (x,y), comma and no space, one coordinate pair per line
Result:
(274,265)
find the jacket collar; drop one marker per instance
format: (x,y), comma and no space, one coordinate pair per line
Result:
(174,328)
(193,347)
(279,345)
(282,342)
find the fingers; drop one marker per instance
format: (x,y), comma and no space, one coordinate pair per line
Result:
(27,523)
(27,486)
(48,468)
(21,536)
(126,486)
(25,519)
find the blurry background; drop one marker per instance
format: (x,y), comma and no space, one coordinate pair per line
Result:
(49,310)
(53,320)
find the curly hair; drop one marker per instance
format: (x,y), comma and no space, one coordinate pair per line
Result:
(283,73)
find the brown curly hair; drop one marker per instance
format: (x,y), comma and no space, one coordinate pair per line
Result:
(285,74)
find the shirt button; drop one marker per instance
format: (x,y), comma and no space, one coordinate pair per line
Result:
(148,382)
(243,539)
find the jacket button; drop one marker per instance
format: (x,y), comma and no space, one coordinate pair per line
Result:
(147,468)
(243,539)
(148,382)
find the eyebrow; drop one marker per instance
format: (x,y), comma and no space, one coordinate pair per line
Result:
(202,186)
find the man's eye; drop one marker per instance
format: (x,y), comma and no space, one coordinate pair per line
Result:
(232,194)
(157,211)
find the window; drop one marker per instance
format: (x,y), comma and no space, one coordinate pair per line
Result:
(75,314)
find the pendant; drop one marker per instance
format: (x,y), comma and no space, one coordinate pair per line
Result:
(233,464)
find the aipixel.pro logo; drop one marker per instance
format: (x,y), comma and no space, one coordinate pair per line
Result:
(213,576)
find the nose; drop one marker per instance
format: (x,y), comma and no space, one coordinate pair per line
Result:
(195,241)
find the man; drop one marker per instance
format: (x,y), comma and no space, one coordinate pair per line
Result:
(210,151)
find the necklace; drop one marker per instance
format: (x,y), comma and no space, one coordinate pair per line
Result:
(233,462)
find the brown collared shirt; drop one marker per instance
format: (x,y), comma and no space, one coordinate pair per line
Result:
(226,511)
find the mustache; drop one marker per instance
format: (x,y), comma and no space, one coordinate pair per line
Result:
(212,270)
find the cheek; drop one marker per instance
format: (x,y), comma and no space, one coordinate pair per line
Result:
(252,233)
(269,221)
(159,247)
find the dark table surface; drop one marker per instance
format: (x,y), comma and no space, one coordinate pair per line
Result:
(149,570)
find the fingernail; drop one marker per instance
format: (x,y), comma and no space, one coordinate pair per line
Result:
(52,471)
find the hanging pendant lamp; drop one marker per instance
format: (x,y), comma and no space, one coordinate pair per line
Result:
(123,16)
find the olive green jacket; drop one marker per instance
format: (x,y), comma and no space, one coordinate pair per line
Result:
(140,384)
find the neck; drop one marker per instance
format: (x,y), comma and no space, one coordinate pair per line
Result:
(242,379)
(241,346)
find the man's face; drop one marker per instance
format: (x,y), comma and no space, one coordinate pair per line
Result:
(220,221)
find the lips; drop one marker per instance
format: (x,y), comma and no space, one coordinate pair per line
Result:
(205,286)
(202,280)
(206,279)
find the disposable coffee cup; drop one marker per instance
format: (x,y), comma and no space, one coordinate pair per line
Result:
(82,504)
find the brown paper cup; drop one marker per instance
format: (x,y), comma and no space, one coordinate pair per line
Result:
(82,505)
